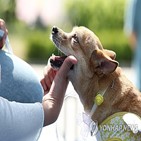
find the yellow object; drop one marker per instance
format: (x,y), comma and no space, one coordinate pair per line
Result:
(99,99)
(114,139)
(114,128)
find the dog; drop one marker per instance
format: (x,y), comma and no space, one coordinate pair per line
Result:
(97,71)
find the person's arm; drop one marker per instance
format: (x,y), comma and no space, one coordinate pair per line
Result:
(56,83)
(24,121)
(20,122)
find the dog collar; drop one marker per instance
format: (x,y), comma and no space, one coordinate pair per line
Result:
(99,99)
(88,124)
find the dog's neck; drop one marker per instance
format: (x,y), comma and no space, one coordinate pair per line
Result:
(121,88)
(97,85)
(99,98)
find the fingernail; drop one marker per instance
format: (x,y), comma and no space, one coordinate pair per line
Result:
(73,59)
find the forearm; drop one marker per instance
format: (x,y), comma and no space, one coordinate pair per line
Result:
(52,103)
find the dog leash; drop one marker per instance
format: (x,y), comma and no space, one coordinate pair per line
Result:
(99,99)
(89,125)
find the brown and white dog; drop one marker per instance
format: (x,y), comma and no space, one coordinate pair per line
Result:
(96,71)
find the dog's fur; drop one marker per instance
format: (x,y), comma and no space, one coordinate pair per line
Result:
(97,71)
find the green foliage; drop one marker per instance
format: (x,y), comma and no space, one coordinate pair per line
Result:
(7,10)
(96,14)
(115,40)
(40,47)
(105,18)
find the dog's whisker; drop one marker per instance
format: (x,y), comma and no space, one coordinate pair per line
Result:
(58,44)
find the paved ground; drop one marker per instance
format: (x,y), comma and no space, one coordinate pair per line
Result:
(67,127)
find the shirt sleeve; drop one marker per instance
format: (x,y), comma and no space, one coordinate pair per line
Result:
(20,121)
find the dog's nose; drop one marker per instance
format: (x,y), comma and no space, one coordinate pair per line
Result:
(55,30)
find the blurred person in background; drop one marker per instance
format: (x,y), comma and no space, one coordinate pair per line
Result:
(26,104)
(132,28)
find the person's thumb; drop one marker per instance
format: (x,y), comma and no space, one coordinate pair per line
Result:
(61,81)
(67,64)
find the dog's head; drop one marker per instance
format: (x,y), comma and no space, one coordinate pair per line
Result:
(92,59)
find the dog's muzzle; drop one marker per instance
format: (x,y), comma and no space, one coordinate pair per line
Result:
(57,61)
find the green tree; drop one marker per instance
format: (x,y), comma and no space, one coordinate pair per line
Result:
(7,10)
(105,18)
(96,14)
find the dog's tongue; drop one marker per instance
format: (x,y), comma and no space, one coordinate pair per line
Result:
(57,61)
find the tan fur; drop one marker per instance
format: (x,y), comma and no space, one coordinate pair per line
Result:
(97,71)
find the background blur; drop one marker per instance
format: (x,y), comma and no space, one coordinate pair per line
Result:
(30,21)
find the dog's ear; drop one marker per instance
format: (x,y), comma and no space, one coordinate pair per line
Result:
(110,53)
(103,64)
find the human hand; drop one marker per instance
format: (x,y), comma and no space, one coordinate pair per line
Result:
(49,74)
(52,102)
(3,29)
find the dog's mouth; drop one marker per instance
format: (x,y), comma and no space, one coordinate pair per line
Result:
(57,61)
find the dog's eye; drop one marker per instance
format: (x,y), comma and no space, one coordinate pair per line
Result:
(75,38)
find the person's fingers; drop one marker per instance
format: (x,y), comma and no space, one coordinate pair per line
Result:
(61,81)
(44,85)
(52,75)
(49,75)
(67,64)
(57,84)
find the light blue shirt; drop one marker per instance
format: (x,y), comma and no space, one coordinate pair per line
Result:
(19,82)
(21,111)
(20,121)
